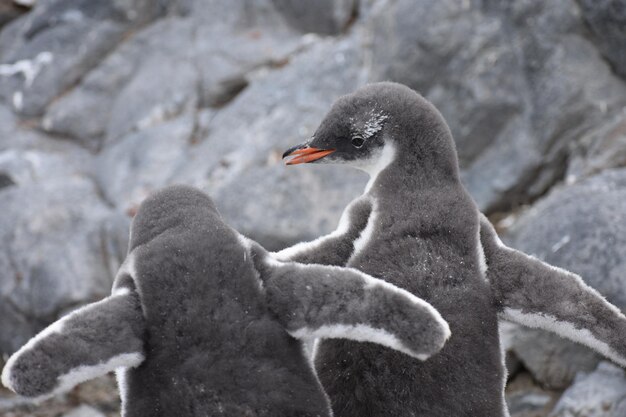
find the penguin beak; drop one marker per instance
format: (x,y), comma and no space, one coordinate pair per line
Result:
(303,154)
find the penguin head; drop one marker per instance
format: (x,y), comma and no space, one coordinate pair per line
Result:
(380,121)
(170,207)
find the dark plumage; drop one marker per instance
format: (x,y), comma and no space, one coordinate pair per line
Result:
(423,233)
(204,322)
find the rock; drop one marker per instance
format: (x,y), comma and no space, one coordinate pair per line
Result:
(507,332)
(25,3)
(239,15)
(279,207)
(239,164)
(510,91)
(63,246)
(523,404)
(126,92)
(144,161)
(552,361)
(607,21)
(9,10)
(582,228)
(5,180)
(57,43)
(600,149)
(327,17)
(601,393)
(84,411)
(527,403)
(40,160)
(525,398)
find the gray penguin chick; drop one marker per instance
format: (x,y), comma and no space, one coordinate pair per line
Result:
(417,227)
(202,321)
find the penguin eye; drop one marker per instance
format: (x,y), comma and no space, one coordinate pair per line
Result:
(357,141)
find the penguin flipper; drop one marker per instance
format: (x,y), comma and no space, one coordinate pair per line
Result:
(320,301)
(535,294)
(87,343)
(336,247)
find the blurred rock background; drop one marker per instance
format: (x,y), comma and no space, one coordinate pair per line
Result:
(102,102)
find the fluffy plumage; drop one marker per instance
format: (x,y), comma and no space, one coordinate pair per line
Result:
(202,321)
(423,233)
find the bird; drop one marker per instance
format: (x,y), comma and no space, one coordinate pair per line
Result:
(416,226)
(203,321)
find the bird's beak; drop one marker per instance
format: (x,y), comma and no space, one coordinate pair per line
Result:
(302,154)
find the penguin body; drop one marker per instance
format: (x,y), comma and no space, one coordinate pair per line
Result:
(201,321)
(425,234)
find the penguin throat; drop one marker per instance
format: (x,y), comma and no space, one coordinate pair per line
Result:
(377,163)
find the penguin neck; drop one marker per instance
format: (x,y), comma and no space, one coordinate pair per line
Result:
(384,159)
(400,172)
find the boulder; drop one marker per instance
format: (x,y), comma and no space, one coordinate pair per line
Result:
(601,393)
(84,411)
(52,47)
(239,164)
(62,248)
(552,361)
(9,10)
(607,21)
(582,228)
(510,90)
(326,16)
(601,148)
(143,161)
(205,67)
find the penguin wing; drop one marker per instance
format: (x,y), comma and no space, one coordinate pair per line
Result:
(320,301)
(336,247)
(535,294)
(85,344)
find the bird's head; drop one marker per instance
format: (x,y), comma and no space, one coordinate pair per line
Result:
(375,125)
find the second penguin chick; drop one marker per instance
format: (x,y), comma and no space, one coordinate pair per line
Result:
(202,322)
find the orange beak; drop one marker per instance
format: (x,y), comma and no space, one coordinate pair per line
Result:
(305,155)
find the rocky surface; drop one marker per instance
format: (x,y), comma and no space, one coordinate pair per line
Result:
(516,81)
(580,227)
(96,398)
(601,393)
(607,21)
(103,102)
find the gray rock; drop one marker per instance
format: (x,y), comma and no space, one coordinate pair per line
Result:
(25,3)
(84,411)
(601,393)
(238,162)
(38,160)
(144,161)
(510,91)
(525,398)
(326,16)
(279,207)
(581,227)
(9,10)
(58,42)
(204,66)
(507,332)
(600,149)
(62,247)
(527,403)
(552,361)
(607,22)
(239,15)
(84,112)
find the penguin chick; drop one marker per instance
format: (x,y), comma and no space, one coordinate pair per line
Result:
(423,232)
(201,321)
